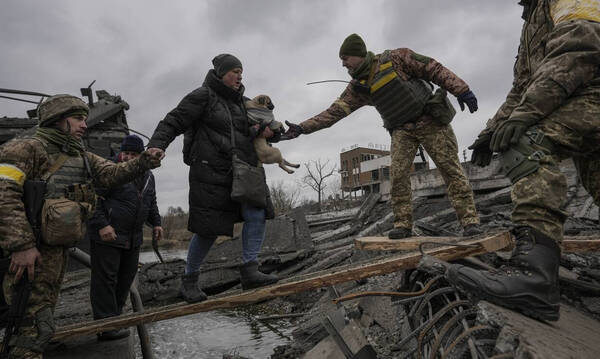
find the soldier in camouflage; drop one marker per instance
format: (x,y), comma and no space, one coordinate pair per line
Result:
(397,83)
(54,154)
(551,113)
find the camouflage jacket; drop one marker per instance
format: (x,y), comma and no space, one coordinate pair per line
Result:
(407,64)
(559,57)
(23,159)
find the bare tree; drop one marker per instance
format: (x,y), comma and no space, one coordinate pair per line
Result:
(284,197)
(316,174)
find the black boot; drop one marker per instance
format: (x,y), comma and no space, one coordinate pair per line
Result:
(190,291)
(529,283)
(399,233)
(251,277)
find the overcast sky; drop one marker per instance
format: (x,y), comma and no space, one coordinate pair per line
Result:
(152,53)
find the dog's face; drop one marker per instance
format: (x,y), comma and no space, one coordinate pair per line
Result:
(264,101)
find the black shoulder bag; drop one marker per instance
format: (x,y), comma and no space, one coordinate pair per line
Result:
(249,185)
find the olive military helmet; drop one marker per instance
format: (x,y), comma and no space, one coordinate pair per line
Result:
(58,107)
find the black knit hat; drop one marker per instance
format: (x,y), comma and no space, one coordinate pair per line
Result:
(224,63)
(353,45)
(132,143)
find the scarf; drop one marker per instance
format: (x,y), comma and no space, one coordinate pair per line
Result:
(363,70)
(67,143)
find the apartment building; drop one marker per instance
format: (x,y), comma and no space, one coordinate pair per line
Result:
(364,170)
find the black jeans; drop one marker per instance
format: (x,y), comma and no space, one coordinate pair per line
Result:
(113,271)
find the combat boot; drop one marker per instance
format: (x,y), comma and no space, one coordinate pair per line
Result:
(251,277)
(399,233)
(473,229)
(190,291)
(529,283)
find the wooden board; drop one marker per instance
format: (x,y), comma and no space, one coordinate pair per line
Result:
(577,244)
(292,285)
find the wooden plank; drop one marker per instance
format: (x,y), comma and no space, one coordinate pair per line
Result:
(293,285)
(575,244)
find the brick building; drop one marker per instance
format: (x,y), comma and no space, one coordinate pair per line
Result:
(367,169)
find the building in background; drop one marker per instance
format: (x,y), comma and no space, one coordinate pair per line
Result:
(365,170)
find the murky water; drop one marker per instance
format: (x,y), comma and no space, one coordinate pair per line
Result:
(210,335)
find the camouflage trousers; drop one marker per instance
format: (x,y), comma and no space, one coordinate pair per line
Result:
(38,327)
(574,129)
(440,143)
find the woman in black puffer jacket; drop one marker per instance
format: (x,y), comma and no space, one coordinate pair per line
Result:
(205,116)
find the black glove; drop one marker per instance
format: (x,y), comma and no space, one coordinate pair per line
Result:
(468,98)
(509,132)
(482,155)
(293,131)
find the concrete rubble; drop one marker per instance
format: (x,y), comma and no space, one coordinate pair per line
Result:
(300,243)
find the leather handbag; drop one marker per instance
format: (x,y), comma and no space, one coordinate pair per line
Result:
(249,183)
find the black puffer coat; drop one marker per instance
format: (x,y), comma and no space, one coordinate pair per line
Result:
(126,208)
(212,212)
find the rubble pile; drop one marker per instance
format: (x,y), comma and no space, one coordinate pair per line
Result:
(439,322)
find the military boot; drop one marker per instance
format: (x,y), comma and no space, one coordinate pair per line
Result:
(190,291)
(251,277)
(529,283)
(399,233)
(472,230)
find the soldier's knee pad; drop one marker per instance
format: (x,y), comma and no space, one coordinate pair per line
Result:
(523,158)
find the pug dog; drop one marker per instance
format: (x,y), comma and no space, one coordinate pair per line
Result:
(260,116)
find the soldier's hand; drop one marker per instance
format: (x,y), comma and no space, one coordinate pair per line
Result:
(508,133)
(482,155)
(149,160)
(107,233)
(469,99)
(293,131)
(157,152)
(157,232)
(24,260)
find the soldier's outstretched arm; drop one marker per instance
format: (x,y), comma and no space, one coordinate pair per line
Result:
(348,102)
(109,174)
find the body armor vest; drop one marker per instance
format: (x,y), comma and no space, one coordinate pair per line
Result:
(71,173)
(398,101)
(71,180)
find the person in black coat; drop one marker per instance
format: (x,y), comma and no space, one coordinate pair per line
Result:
(116,234)
(206,116)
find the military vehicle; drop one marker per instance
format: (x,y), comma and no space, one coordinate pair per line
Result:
(107,122)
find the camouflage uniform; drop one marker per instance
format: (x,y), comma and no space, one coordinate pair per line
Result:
(556,86)
(437,139)
(31,158)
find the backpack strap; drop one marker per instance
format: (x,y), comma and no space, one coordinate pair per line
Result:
(62,158)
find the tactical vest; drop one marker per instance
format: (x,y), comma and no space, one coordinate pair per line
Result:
(398,101)
(69,200)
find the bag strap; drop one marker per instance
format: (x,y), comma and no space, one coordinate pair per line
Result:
(62,158)
(231,128)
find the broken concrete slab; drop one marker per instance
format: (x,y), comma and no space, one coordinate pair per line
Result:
(328,349)
(575,335)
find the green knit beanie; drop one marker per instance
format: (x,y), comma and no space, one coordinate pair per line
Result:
(353,45)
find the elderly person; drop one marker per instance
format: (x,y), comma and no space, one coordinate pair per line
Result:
(116,234)
(206,116)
